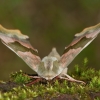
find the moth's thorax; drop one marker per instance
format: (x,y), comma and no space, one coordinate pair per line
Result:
(48,62)
(49,68)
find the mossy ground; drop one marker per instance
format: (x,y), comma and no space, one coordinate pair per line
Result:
(16,88)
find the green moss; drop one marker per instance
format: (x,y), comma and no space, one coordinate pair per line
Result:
(19,77)
(58,87)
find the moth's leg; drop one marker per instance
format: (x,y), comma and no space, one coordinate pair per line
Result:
(35,77)
(33,82)
(32,76)
(69,78)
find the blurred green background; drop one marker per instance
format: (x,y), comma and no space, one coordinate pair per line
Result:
(48,23)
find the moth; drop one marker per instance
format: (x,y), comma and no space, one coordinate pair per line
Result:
(52,65)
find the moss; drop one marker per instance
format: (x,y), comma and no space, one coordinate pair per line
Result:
(55,89)
(19,77)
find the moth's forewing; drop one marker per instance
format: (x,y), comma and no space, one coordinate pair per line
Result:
(20,44)
(81,41)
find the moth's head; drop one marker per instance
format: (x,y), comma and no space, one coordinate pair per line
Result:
(49,68)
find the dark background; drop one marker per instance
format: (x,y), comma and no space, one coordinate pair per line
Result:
(48,23)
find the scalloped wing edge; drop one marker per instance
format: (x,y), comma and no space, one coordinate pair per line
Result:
(15,35)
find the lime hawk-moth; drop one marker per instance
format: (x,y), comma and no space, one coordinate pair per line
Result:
(52,65)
